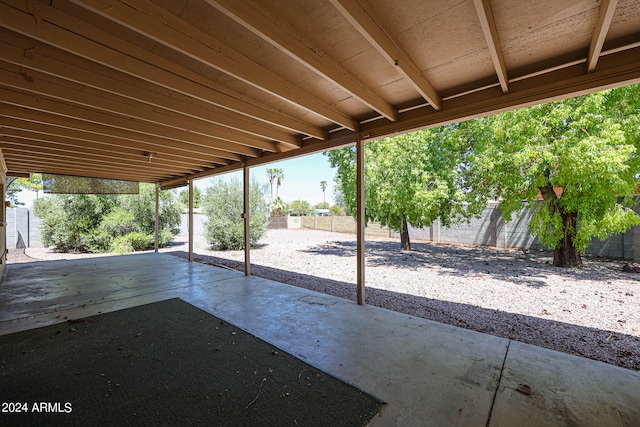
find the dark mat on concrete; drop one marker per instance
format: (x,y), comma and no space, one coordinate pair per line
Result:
(166,363)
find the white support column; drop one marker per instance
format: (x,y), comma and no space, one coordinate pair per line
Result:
(157,226)
(190,220)
(247,228)
(360,219)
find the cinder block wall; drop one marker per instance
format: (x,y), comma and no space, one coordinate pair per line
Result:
(22,229)
(344,224)
(490,229)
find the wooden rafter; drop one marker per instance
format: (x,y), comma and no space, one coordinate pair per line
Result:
(294,44)
(143,16)
(72,93)
(59,108)
(61,143)
(97,87)
(488,24)
(90,134)
(57,29)
(362,18)
(83,72)
(607,9)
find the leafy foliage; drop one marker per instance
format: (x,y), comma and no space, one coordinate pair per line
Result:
(16,185)
(184,197)
(413,178)
(336,210)
(579,154)
(223,206)
(300,207)
(278,207)
(99,223)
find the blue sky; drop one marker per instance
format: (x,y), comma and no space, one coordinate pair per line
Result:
(302,178)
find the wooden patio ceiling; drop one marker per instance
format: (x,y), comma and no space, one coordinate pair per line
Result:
(168,90)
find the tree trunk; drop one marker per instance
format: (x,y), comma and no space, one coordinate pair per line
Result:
(566,254)
(405,244)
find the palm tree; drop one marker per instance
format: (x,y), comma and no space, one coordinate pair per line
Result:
(323,185)
(277,176)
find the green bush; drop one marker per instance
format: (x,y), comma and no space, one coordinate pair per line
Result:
(122,245)
(118,222)
(223,206)
(140,241)
(99,223)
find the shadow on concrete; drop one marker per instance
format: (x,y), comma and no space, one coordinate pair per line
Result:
(602,345)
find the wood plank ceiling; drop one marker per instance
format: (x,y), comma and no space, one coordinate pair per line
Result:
(167,90)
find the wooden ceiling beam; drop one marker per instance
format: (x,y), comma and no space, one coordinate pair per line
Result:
(360,14)
(95,135)
(607,10)
(288,40)
(213,146)
(156,24)
(55,28)
(44,59)
(36,149)
(71,167)
(614,70)
(488,24)
(60,143)
(73,93)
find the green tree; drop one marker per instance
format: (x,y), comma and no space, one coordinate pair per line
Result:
(184,197)
(409,179)
(13,186)
(336,210)
(584,148)
(300,207)
(338,197)
(223,205)
(276,176)
(322,205)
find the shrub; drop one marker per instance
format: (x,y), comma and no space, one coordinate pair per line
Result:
(118,222)
(94,222)
(140,241)
(122,245)
(223,206)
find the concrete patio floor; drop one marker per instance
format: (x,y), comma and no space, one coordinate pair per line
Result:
(429,374)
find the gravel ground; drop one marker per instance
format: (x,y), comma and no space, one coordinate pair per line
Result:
(591,312)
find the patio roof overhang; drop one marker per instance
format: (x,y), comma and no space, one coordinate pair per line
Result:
(166,91)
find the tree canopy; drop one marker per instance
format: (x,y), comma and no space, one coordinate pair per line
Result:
(300,207)
(16,185)
(410,179)
(580,156)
